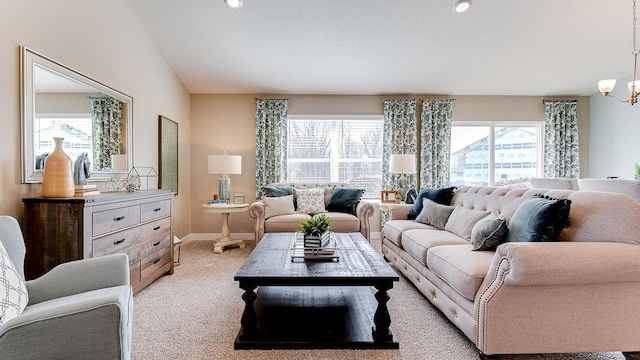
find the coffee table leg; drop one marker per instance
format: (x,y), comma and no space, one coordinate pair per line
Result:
(382,319)
(249,320)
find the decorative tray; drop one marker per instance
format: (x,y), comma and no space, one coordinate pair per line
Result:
(299,251)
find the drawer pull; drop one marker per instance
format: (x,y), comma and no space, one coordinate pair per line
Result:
(156,261)
(118,218)
(156,243)
(157,227)
(119,242)
(157,209)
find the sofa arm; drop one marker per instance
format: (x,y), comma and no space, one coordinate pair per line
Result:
(569,263)
(364,211)
(256,211)
(80,276)
(399,211)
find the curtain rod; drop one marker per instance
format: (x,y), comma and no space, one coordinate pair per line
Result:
(255,98)
(546,100)
(383,100)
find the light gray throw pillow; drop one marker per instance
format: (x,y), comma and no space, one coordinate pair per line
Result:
(488,232)
(434,214)
(278,206)
(462,220)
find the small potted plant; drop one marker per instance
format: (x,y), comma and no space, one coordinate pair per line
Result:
(398,199)
(637,174)
(315,229)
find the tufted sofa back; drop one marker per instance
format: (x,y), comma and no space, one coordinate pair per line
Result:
(324,185)
(594,216)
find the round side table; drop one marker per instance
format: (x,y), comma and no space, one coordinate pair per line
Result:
(225,210)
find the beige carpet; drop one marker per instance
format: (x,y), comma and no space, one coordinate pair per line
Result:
(195,314)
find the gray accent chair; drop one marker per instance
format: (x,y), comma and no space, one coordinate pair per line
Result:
(622,186)
(79,310)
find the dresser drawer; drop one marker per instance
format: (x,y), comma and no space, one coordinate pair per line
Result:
(155,229)
(155,261)
(116,219)
(154,245)
(117,243)
(134,273)
(155,210)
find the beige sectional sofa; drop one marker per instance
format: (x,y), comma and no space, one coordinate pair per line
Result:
(579,294)
(340,222)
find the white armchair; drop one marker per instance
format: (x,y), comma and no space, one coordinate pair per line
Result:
(79,310)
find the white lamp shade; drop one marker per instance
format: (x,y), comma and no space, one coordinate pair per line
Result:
(402,163)
(225,164)
(605,86)
(630,84)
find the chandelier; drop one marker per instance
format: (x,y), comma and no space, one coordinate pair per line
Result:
(605,86)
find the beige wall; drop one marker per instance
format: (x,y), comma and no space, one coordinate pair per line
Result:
(105,41)
(227,122)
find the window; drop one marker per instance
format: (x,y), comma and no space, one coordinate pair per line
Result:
(76,131)
(495,153)
(336,149)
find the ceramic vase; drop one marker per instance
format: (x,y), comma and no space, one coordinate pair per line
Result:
(57,180)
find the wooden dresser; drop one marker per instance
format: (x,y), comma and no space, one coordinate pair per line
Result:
(140,224)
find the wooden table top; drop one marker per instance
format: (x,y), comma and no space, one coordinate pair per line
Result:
(270,263)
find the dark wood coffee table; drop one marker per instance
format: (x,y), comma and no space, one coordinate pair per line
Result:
(305,304)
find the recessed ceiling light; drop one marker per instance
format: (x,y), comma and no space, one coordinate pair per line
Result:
(233,3)
(461,5)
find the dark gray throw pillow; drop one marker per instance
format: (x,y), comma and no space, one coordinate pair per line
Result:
(488,232)
(434,214)
(277,191)
(539,218)
(441,196)
(344,200)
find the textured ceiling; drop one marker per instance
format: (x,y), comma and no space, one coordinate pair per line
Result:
(499,47)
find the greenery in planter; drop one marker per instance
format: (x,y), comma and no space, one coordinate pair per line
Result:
(637,174)
(315,225)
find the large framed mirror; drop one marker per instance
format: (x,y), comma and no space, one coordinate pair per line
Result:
(93,118)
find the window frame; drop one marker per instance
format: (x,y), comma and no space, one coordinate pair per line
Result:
(492,150)
(377,117)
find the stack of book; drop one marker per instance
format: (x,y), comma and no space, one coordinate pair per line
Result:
(86,190)
(318,245)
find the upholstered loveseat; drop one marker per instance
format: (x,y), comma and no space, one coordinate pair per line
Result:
(578,294)
(290,221)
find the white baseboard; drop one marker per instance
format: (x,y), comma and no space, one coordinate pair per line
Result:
(246,237)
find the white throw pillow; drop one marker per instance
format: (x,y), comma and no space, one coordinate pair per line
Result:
(13,290)
(278,206)
(310,201)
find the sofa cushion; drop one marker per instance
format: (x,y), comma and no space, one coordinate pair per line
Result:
(344,200)
(310,201)
(13,290)
(539,218)
(463,269)
(277,191)
(418,241)
(281,205)
(462,220)
(341,222)
(393,229)
(284,223)
(434,214)
(488,233)
(440,195)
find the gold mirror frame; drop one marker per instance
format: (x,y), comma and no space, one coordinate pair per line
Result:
(29,60)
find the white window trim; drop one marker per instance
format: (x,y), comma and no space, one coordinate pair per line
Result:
(492,125)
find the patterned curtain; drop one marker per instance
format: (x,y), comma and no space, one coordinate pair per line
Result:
(399,137)
(435,142)
(561,149)
(106,116)
(271,142)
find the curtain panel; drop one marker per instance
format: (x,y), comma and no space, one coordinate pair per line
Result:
(435,142)
(561,149)
(399,137)
(106,117)
(271,142)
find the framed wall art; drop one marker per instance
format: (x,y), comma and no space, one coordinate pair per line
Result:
(168,153)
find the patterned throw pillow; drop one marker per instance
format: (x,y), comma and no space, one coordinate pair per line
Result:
(539,218)
(13,290)
(310,201)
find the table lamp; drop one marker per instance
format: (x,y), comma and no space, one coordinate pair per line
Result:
(225,165)
(402,164)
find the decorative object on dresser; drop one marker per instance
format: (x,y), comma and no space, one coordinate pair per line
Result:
(138,224)
(224,165)
(86,190)
(82,169)
(57,180)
